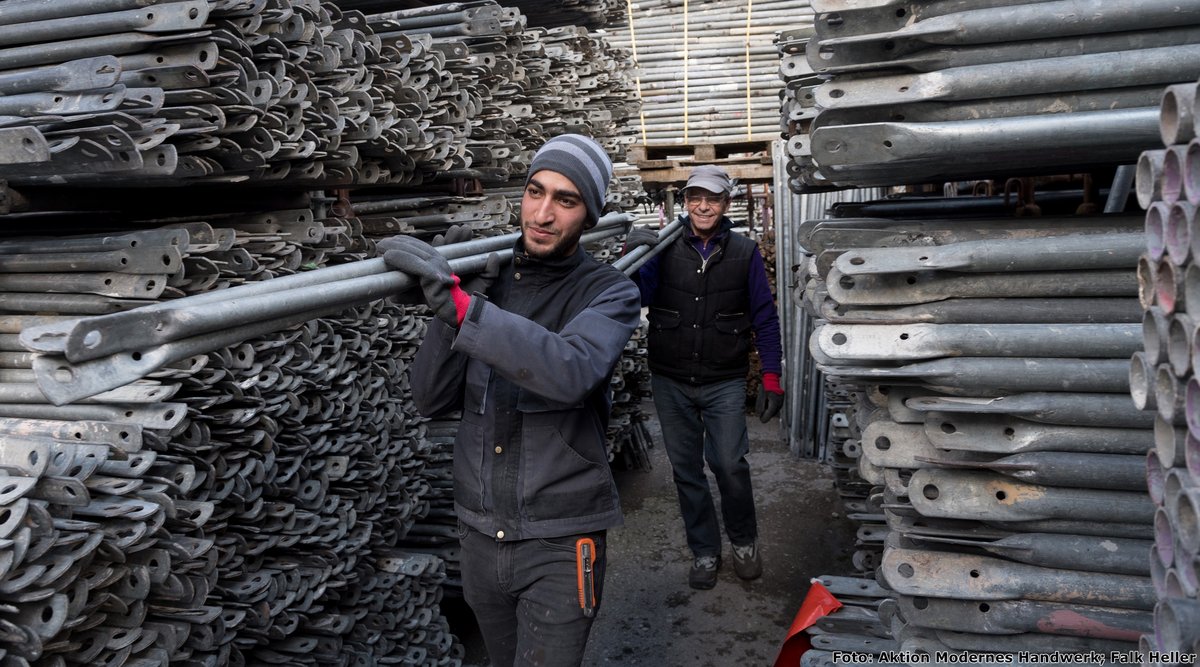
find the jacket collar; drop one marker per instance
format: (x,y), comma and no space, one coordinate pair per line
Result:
(548,268)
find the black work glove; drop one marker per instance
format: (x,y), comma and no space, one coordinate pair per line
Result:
(419,260)
(640,236)
(456,234)
(480,282)
(770,398)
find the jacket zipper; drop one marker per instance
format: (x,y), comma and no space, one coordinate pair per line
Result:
(704,260)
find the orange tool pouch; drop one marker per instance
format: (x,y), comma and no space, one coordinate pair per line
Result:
(585,555)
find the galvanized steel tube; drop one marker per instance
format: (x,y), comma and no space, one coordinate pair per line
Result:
(1177,113)
(1149,176)
(1168,288)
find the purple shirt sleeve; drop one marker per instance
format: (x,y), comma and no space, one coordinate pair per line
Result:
(764,317)
(646,279)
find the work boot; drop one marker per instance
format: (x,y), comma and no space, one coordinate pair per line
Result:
(704,572)
(747,562)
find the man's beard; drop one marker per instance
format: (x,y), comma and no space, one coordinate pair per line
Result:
(563,246)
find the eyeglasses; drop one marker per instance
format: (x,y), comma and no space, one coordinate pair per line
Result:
(694,199)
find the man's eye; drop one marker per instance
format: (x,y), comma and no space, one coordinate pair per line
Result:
(567,202)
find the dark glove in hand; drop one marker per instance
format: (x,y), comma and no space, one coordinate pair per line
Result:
(480,282)
(768,404)
(640,236)
(456,234)
(419,260)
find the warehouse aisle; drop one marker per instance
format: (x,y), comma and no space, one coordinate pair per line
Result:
(651,617)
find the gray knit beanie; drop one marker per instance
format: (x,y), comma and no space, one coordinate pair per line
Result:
(581,160)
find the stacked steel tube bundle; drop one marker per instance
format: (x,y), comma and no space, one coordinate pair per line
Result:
(590,15)
(897,92)
(229,384)
(134,91)
(1163,372)
(987,425)
(968,375)
(706,72)
(257,492)
(210,454)
(245,504)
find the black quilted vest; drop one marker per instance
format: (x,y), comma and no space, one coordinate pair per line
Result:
(700,320)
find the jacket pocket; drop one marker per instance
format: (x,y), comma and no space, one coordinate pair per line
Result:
(475,387)
(560,482)
(732,323)
(661,335)
(468,465)
(663,318)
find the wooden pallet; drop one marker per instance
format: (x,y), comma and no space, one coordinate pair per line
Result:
(698,153)
(747,161)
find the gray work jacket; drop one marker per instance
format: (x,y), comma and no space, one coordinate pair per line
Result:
(531,374)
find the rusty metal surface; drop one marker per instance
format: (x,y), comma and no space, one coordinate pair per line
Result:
(1073,552)
(1004,617)
(991,497)
(1069,409)
(1068,469)
(998,433)
(960,576)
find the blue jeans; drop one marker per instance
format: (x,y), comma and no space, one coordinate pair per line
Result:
(708,423)
(525,597)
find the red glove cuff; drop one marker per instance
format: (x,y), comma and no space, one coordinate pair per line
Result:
(462,300)
(771,383)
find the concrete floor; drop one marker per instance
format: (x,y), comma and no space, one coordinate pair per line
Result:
(651,617)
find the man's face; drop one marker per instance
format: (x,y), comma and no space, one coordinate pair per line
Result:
(705,210)
(552,215)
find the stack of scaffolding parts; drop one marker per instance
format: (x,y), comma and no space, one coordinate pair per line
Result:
(989,431)
(708,77)
(241,498)
(945,90)
(594,14)
(136,92)
(804,414)
(1163,375)
(231,470)
(256,502)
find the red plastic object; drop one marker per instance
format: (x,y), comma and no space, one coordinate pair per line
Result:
(817,603)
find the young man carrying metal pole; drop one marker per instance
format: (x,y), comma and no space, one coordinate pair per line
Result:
(528,361)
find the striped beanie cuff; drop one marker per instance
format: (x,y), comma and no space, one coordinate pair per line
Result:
(581,160)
